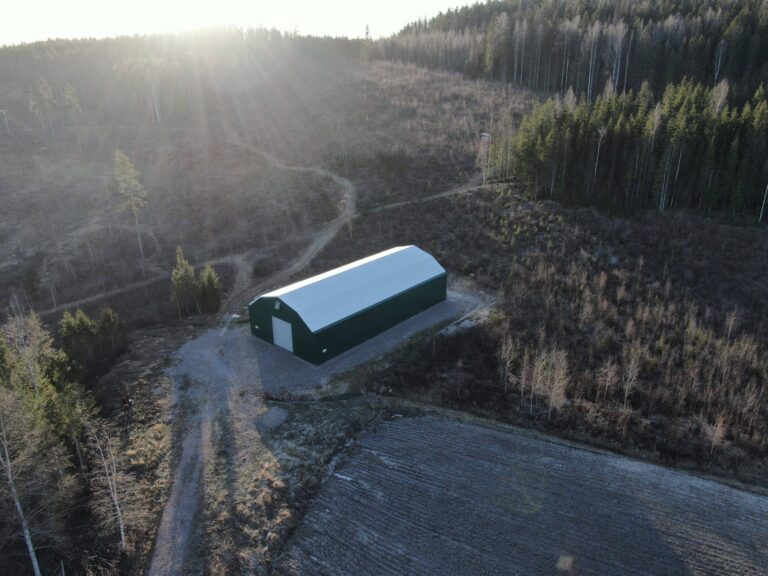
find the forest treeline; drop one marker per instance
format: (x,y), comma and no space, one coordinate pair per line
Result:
(687,149)
(551,45)
(159,78)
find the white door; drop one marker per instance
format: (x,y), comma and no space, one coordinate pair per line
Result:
(282,333)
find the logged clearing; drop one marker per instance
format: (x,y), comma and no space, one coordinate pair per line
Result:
(435,496)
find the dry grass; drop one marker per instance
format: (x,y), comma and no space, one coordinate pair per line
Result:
(258,484)
(397,131)
(656,358)
(144,448)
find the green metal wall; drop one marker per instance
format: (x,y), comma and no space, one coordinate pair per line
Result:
(350,332)
(261,312)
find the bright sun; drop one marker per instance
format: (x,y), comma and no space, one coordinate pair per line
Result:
(43,19)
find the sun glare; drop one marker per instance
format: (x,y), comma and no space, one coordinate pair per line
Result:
(31,21)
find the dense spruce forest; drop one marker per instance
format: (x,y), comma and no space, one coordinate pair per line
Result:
(656,104)
(689,149)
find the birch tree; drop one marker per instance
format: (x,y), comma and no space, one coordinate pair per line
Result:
(632,355)
(616,35)
(593,40)
(508,353)
(607,378)
(602,131)
(14,447)
(558,379)
(106,479)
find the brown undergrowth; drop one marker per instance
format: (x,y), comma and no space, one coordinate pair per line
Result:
(641,334)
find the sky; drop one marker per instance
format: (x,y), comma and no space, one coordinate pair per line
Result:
(31,20)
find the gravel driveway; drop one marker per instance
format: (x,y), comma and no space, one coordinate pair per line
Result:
(271,369)
(225,372)
(436,496)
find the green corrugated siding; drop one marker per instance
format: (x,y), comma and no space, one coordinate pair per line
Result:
(261,312)
(351,331)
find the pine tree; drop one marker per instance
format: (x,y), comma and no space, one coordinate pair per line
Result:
(184,285)
(127,181)
(210,290)
(79,334)
(111,329)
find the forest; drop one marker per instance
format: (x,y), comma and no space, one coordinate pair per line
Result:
(599,168)
(652,104)
(162,79)
(551,46)
(689,149)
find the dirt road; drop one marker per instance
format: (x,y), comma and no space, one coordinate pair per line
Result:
(223,374)
(240,298)
(435,496)
(238,260)
(244,290)
(475,183)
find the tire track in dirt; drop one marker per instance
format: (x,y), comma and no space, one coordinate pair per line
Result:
(206,385)
(174,538)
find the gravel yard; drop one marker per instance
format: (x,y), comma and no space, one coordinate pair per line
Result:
(233,354)
(223,376)
(435,496)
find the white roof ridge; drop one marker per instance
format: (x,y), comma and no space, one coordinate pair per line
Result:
(334,272)
(331,296)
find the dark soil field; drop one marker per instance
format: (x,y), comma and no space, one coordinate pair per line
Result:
(435,496)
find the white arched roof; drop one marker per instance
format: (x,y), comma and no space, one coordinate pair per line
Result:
(342,292)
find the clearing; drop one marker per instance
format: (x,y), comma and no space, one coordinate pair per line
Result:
(221,379)
(436,496)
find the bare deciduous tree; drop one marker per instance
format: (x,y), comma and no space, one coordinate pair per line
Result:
(558,379)
(731,322)
(632,357)
(720,95)
(12,451)
(526,374)
(607,378)
(106,478)
(509,350)
(718,434)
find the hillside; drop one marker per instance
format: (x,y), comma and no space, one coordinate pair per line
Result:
(592,175)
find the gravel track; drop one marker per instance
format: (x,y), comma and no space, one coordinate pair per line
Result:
(226,371)
(436,496)
(239,298)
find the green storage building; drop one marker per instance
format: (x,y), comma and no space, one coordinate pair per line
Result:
(323,316)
